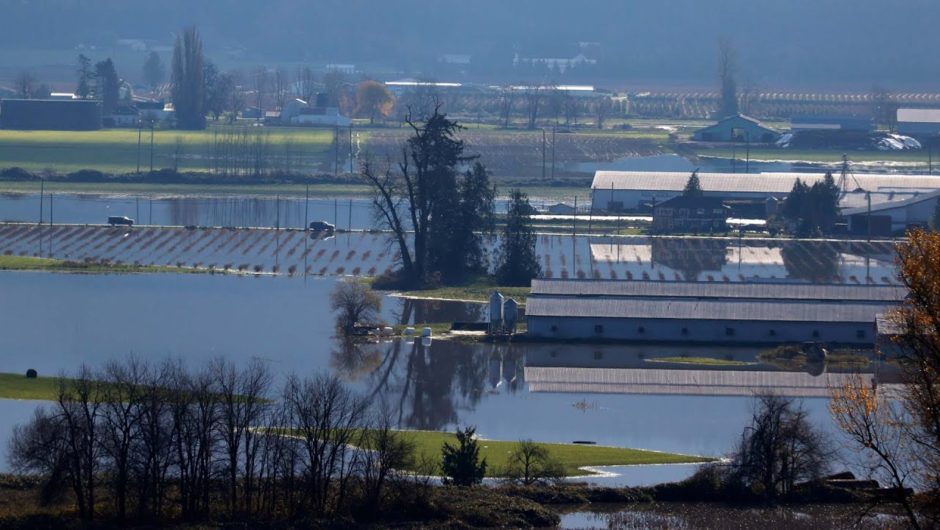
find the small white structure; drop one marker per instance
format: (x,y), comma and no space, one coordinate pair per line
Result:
(496,311)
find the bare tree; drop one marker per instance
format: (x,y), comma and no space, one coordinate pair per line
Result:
(280,87)
(779,448)
(306,84)
(507,98)
(25,85)
(354,303)
(385,452)
(533,100)
(727,71)
(259,83)
(530,462)
(603,107)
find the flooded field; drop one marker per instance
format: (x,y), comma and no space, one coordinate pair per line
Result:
(295,252)
(55,322)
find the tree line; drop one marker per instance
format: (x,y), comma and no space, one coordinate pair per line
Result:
(142,441)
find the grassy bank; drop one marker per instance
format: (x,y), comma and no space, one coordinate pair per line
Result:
(29,263)
(702,361)
(18,386)
(476,292)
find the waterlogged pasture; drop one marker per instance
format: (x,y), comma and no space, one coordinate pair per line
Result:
(359,253)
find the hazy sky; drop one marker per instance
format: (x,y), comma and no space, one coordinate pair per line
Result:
(780,42)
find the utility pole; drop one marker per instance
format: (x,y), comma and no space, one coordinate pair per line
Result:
(335,212)
(553,151)
(543,154)
(747,161)
(307,208)
(138,146)
(42,189)
(336,150)
(868,221)
(137,208)
(350,148)
(277,209)
(151,147)
(349,220)
(150,217)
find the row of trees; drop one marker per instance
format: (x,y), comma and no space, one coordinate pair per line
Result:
(812,210)
(156,440)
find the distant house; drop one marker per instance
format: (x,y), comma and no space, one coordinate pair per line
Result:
(123,116)
(298,112)
(919,122)
(690,214)
(154,111)
(51,115)
(561,209)
(738,128)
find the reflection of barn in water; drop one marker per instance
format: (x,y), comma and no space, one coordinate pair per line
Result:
(690,256)
(632,370)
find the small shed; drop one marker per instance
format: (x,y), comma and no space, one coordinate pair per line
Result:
(738,128)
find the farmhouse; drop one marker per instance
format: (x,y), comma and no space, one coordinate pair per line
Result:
(616,191)
(690,214)
(692,312)
(739,128)
(919,122)
(48,114)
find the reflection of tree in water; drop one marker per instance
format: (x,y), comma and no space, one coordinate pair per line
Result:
(425,386)
(425,311)
(690,256)
(817,262)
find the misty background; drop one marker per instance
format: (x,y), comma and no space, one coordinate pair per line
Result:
(798,44)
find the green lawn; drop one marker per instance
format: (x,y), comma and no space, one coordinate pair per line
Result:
(29,263)
(706,361)
(115,150)
(18,386)
(475,292)
(571,456)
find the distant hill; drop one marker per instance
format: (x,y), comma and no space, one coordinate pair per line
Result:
(780,43)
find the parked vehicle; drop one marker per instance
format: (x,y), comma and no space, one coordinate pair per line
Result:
(120,220)
(321,226)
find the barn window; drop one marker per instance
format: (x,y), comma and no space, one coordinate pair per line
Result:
(598,355)
(685,331)
(860,334)
(815,333)
(772,333)
(598,328)
(554,328)
(729,332)
(641,330)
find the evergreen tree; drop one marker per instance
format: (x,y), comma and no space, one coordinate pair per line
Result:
(85,75)
(435,213)
(693,188)
(461,464)
(517,261)
(188,81)
(107,86)
(154,72)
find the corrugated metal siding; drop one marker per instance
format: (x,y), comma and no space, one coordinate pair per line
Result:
(671,309)
(718,290)
(682,382)
(746,182)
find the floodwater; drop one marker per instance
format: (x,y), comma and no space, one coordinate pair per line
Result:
(296,252)
(55,322)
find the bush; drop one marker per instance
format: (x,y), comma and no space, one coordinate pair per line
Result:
(31,374)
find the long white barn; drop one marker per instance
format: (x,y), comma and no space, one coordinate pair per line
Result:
(631,190)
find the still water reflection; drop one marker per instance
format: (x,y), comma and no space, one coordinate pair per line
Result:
(55,322)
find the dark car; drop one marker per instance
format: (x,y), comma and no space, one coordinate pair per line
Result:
(321,226)
(120,220)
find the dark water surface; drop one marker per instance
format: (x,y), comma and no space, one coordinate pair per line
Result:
(55,322)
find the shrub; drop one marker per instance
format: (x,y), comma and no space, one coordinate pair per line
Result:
(461,464)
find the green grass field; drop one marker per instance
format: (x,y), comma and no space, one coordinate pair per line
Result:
(572,457)
(476,292)
(115,150)
(29,263)
(18,386)
(704,361)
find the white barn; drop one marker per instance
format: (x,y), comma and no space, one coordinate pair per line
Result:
(613,191)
